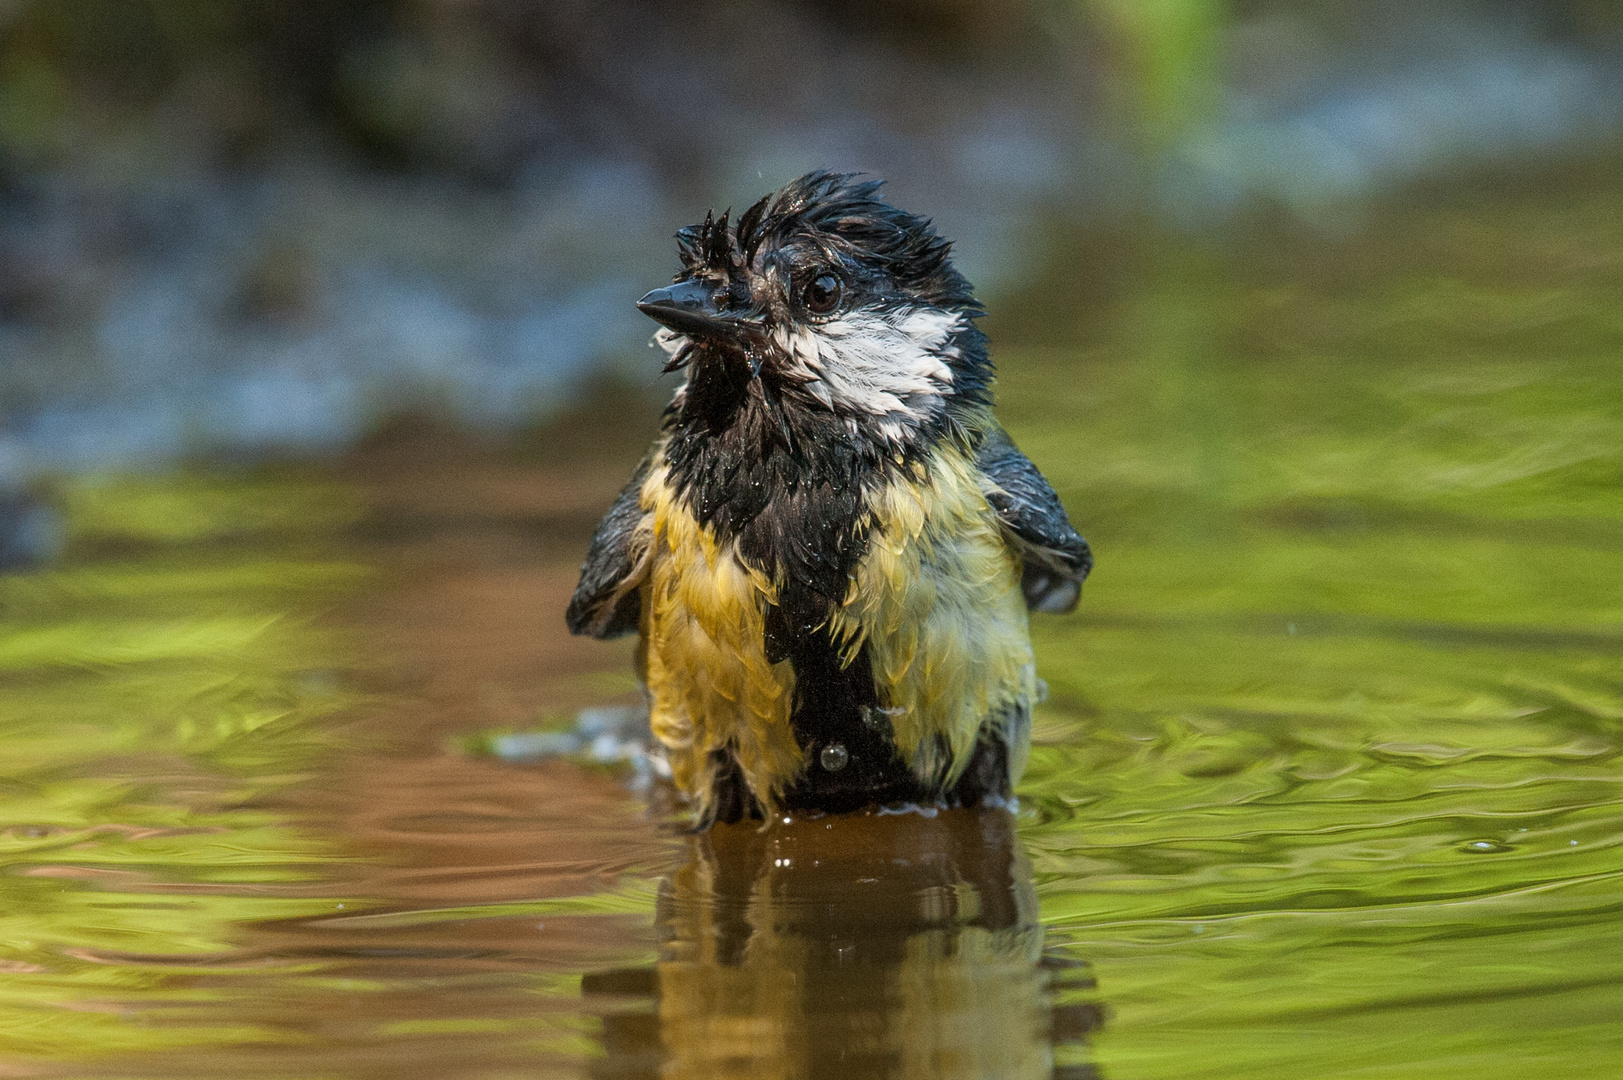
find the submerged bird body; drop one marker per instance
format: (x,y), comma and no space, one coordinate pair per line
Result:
(831,548)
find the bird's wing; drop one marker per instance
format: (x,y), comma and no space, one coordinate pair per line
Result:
(606,603)
(1056,559)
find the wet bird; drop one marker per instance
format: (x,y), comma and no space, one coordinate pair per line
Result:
(831,548)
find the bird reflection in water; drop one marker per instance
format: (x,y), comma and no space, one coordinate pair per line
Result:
(865,945)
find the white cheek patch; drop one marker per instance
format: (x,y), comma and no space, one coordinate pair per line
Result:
(891,365)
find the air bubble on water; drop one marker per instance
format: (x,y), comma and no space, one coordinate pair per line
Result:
(1484,847)
(834,757)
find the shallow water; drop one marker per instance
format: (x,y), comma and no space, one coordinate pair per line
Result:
(1327,785)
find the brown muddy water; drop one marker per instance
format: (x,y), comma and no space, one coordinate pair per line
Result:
(1328,783)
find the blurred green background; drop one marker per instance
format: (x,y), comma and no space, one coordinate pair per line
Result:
(318,361)
(261,226)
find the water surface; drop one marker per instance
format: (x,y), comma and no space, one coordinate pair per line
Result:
(1327,784)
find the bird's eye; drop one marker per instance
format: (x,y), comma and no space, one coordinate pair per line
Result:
(822,295)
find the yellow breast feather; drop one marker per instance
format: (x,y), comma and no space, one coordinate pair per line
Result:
(703,655)
(937,601)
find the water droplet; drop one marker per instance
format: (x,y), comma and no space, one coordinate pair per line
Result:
(1484,847)
(879,719)
(834,757)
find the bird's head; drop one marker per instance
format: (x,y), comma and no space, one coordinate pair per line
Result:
(834,301)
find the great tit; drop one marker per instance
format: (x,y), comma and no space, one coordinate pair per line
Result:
(830,551)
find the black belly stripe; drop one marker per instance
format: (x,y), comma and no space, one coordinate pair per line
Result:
(837,709)
(835,705)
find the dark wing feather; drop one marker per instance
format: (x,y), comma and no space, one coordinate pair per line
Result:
(607,603)
(1056,558)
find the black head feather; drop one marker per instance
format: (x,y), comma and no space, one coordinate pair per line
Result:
(690,244)
(763,269)
(842,216)
(749,226)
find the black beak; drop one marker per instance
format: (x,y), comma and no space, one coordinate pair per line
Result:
(689,307)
